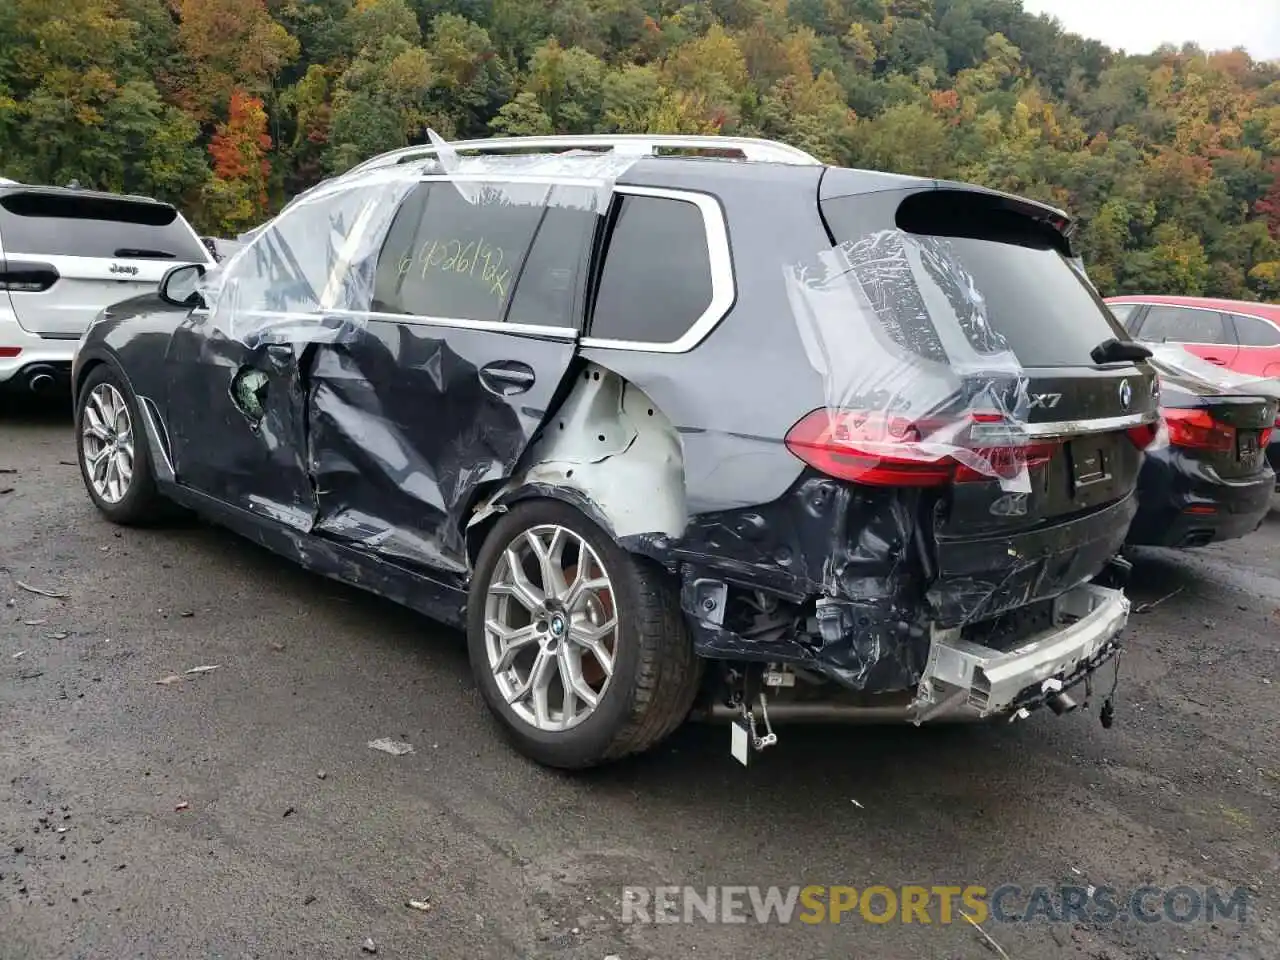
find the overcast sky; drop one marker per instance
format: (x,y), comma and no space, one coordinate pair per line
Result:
(1139,26)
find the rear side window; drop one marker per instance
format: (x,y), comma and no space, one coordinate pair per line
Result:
(108,228)
(656,282)
(1184,325)
(448,257)
(930,263)
(546,294)
(1253,332)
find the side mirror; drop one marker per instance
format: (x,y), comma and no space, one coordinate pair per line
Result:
(180,285)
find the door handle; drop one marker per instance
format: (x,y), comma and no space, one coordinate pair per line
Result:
(507,377)
(1218,360)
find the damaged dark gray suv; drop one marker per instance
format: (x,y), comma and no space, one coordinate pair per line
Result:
(735,434)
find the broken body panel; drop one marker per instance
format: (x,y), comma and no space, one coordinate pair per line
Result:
(308,408)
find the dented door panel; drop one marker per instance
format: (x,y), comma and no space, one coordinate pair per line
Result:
(408,420)
(237,419)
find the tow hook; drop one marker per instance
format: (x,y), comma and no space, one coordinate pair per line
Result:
(744,735)
(744,732)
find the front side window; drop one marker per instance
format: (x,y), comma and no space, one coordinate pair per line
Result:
(656,282)
(455,256)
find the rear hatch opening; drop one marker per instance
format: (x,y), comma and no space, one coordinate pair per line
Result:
(958,341)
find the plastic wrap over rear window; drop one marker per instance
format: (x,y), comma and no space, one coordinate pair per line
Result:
(112,228)
(1021,292)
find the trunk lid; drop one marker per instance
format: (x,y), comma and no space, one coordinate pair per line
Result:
(1212,423)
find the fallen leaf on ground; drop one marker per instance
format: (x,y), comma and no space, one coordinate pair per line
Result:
(204,669)
(172,678)
(43,593)
(394,747)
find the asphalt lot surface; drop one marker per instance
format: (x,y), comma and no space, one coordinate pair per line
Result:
(270,859)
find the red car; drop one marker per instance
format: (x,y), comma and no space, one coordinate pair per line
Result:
(1237,334)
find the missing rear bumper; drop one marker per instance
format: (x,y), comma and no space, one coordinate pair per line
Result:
(966,680)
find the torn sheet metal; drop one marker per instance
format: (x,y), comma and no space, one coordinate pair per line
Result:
(610,444)
(898,330)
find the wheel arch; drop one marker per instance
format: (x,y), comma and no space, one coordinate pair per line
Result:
(154,431)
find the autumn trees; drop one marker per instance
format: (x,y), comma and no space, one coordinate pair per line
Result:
(1170,160)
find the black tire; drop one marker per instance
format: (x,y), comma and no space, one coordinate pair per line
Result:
(656,674)
(142,504)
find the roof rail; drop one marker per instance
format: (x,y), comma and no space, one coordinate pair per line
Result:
(750,148)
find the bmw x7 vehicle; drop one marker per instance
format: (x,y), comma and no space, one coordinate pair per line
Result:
(736,435)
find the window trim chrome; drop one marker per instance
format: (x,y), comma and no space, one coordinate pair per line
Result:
(720,257)
(724,291)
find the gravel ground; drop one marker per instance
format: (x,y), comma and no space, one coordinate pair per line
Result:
(240,812)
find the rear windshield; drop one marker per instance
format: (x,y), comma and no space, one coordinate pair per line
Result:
(1007,280)
(112,228)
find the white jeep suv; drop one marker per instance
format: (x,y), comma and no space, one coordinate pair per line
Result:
(65,255)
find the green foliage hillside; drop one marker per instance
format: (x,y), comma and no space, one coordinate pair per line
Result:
(228,107)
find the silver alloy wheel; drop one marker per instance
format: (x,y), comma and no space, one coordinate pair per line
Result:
(551,627)
(107,441)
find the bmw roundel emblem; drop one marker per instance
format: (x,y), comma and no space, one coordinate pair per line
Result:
(1126,393)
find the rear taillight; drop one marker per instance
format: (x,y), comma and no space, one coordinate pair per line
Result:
(1265,439)
(7,353)
(1144,435)
(19,277)
(1197,430)
(886,450)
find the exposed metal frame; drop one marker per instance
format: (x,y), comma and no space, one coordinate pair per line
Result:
(753,149)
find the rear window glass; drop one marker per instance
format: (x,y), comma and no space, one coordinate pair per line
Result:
(448,257)
(1005,280)
(111,228)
